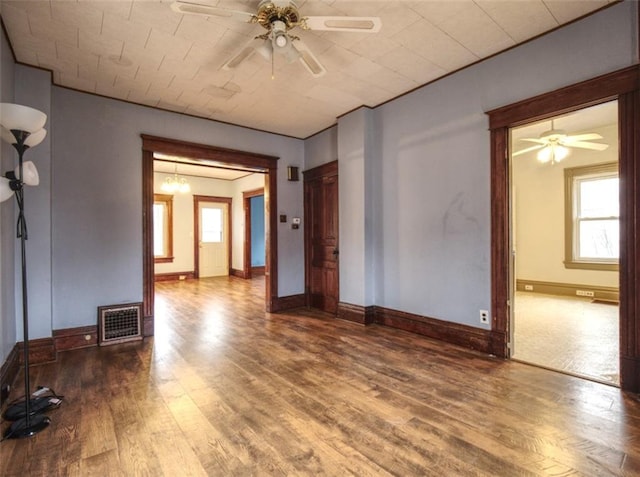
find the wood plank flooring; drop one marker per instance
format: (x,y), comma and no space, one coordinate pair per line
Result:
(225,389)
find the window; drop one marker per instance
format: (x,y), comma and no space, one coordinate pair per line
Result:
(211,224)
(592,236)
(162,228)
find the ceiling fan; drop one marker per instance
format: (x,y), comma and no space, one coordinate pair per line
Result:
(554,144)
(279,17)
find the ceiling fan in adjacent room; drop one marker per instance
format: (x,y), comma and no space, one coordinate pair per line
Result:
(555,144)
(279,17)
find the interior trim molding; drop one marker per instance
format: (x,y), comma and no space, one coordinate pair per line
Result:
(624,86)
(174,276)
(75,338)
(263,163)
(9,369)
(41,350)
(453,333)
(611,294)
(290,302)
(365,315)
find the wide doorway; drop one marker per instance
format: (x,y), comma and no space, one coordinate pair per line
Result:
(565,243)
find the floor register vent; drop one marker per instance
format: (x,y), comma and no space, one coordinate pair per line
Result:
(119,323)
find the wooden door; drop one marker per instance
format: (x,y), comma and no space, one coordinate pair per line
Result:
(321,237)
(213,239)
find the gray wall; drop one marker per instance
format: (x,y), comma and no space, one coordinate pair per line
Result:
(418,193)
(97,190)
(7,217)
(430,214)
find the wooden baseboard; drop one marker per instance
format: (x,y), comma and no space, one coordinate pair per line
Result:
(234,272)
(41,351)
(257,271)
(9,370)
(454,333)
(365,315)
(165,277)
(287,303)
(74,338)
(608,294)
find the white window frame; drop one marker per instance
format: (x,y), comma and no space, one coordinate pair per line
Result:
(573,176)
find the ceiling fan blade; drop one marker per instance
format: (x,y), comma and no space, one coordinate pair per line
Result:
(208,10)
(239,57)
(343,23)
(582,137)
(308,59)
(594,146)
(523,151)
(537,141)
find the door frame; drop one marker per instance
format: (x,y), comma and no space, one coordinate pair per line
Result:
(196,229)
(246,206)
(623,86)
(216,156)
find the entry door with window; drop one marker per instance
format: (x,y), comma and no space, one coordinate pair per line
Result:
(213,239)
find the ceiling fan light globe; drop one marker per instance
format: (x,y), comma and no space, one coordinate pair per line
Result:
(544,155)
(560,152)
(281,40)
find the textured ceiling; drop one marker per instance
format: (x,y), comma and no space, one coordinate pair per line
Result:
(143,52)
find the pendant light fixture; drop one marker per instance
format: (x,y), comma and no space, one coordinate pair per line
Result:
(173,184)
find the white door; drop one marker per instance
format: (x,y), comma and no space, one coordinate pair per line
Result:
(214,239)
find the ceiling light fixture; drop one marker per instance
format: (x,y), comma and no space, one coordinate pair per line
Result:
(552,153)
(173,184)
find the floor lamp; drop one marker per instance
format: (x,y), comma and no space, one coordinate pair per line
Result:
(22,127)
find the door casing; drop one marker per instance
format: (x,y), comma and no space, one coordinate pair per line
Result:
(623,85)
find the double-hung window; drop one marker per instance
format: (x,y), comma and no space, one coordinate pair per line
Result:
(592,235)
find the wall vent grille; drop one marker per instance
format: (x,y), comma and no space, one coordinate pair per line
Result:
(119,323)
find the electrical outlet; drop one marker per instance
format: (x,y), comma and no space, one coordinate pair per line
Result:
(528,287)
(484,316)
(585,293)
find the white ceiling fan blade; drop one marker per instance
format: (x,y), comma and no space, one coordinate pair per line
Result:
(344,23)
(208,10)
(582,137)
(523,151)
(239,57)
(537,141)
(587,145)
(309,60)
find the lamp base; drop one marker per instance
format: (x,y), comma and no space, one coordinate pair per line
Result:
(20,428)
(36,406)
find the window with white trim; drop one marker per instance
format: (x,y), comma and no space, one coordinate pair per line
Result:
(592,238)
(162,228)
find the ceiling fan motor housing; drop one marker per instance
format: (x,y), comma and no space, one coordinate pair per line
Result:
(270,12)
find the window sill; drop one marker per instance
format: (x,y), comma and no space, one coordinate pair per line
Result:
(611,267)
(163,260)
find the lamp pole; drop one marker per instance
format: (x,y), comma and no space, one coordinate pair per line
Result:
(25,125)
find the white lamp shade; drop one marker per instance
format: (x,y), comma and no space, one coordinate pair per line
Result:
(5,189)
(32,140)
(23,118)
(7,135)
(36,138)
(29,172)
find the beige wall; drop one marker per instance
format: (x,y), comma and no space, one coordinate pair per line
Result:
(539,215)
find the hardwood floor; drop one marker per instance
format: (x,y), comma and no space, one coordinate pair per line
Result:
(225,389)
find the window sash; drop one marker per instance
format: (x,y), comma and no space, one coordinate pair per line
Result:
(592,236)
(163,231)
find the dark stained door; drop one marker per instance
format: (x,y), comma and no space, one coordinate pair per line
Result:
(321,237)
